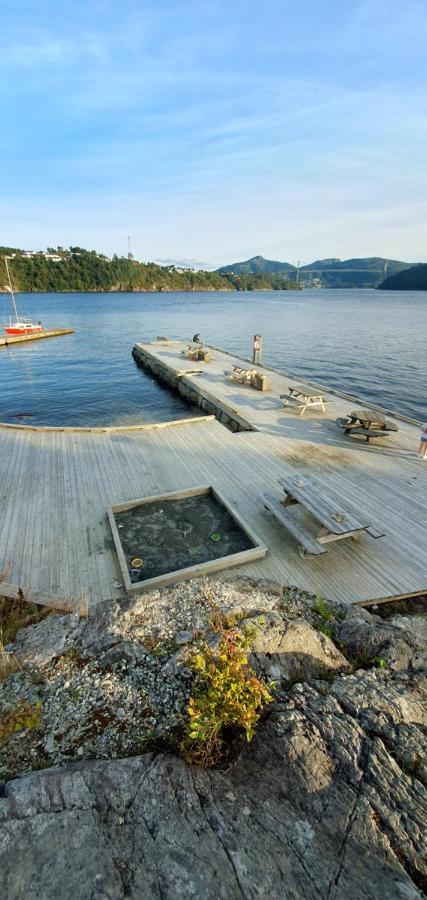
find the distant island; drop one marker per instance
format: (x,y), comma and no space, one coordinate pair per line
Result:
(77,269)
(367,272)
(412,279)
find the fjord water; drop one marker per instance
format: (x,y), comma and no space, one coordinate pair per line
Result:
(367,343)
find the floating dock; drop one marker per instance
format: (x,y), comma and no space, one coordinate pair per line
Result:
(56,485)
(8,339)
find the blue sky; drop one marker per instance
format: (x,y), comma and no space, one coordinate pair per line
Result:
(215,130)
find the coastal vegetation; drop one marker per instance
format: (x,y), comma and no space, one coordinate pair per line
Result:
(412,279)
(77,269)
(227,696)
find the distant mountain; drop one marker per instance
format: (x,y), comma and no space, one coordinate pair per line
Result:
(412,279)
(257,265)
(366,272)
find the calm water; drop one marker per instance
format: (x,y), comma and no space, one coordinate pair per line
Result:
(368,343)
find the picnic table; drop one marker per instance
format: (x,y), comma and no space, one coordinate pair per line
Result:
(304,397)
(336,522)
(368,422)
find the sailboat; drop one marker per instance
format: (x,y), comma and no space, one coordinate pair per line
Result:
(18,325)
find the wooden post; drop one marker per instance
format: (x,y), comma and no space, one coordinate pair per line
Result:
(257,349)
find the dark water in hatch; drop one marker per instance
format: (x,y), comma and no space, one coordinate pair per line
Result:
(168,535)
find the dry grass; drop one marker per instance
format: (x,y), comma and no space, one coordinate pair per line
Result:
(16,614)
(8,661)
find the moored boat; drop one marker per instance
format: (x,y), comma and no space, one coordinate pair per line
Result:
(18,325)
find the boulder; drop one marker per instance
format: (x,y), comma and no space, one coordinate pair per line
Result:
(315,807)
(366,636)
(292,650)
(40,644)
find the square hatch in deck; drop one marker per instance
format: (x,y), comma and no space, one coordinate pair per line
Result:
(179,535)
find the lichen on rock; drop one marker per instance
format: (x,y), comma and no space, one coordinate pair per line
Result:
(329,800)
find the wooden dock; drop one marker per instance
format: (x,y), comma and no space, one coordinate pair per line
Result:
(56,486)
(7,340)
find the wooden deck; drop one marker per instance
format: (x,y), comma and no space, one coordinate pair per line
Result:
(6,340)
(56,486)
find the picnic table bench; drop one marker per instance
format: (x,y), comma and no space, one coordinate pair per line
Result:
(368,422)
(304,397)
(336,522)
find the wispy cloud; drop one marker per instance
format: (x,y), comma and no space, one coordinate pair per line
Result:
(216,129)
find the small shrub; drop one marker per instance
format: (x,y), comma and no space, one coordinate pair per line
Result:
(322,608)
(73,656)
(21,718)
(227,700)
(379,662)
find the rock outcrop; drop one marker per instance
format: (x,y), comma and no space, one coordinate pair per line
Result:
(328,801)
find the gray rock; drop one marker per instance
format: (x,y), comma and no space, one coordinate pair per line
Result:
(293,649)
(328,801)
(39,644)
(367,636)
(314,808)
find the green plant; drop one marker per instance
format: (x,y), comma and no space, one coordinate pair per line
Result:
(21,718)
(379,662)
(323,609)
(73,656)
(227,697)
(325,629)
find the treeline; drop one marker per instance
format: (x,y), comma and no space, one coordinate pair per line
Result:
(85,270)
(260,282)
(413,279)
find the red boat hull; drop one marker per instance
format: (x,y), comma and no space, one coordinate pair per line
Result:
(32,329)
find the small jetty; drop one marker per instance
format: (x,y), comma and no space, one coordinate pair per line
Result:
(59,483)
(6,340)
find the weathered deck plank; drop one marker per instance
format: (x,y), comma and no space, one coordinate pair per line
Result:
(56,486)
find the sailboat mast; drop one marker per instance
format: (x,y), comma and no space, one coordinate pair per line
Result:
(11,289)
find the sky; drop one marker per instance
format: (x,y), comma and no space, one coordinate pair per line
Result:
(215,130)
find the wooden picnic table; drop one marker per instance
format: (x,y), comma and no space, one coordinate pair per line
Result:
(368,422)
(304,396)
(367,418)
(336,521)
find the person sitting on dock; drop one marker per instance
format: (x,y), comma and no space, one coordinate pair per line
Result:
(197,339)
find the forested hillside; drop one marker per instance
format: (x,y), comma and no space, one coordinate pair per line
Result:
(77,269)
(365,272)
(413,279)
(83,270)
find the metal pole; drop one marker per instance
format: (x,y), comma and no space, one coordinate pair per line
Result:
(257,349)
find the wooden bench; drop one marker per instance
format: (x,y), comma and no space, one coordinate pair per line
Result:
(369,433)
(306,542)
(367,422)
(366,432)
